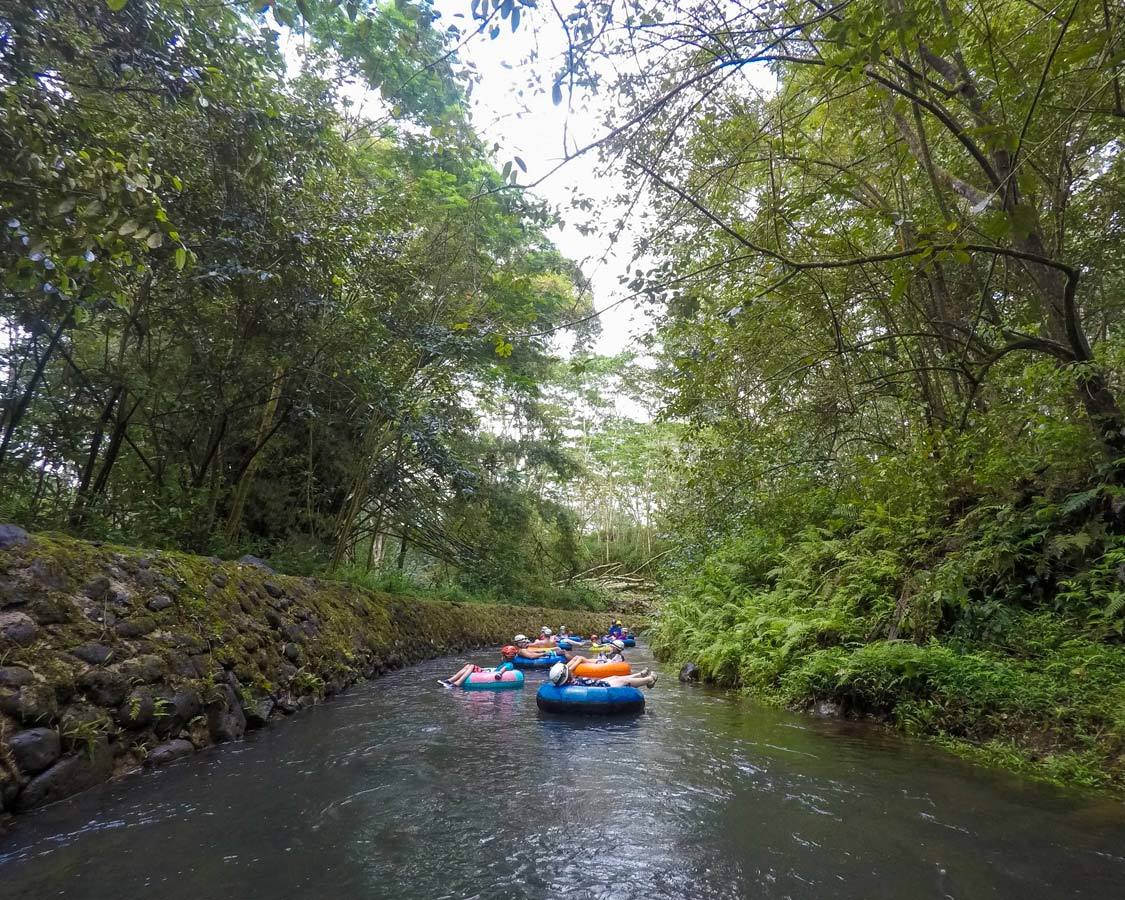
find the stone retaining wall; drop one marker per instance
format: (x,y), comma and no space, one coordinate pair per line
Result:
(112,658)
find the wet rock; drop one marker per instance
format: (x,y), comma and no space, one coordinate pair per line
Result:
(92,653)
(286,705)
(147,669)
(689,672)
(246,605)
(51,611)
(225,719)
(13,536)
(258,714)
(292,653)
(69,776)
(219,580)
(180,664)
(166,753)
(187,643)
(135,628)
(160,602)
(273,590)
(274,620)
(186,705)
(35,749)
(32,704)
(18,628)
(15,676)
(249,560)
(103,687)
(293,634)
(826,709)
(138,710)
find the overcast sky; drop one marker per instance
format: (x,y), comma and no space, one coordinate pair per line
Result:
(532,127)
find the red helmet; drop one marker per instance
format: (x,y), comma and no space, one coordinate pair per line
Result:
(509,652)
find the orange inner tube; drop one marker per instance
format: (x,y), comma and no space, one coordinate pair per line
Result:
(601,670)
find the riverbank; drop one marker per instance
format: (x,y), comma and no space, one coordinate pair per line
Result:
(113,658)
(983,636)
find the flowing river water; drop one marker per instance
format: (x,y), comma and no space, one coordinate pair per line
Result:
(401,788)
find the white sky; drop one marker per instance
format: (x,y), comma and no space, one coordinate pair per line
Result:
(527,124)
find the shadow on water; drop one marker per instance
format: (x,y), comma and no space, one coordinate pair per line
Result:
(404,789)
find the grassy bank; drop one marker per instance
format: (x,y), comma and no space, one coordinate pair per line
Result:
(112,658)
(996,632)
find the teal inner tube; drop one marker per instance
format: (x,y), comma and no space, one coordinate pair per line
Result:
(487,681)
(589,701)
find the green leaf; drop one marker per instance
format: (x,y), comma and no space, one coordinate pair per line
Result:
(521,164)
(556,93)
(116,5)
(128,227)
(155,239)
(507,171)
(180,258)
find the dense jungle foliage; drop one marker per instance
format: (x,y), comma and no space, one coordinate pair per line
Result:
(889,320)
(243,310)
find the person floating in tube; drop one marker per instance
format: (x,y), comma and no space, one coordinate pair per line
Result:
(531,651)
(616,629)
(507,652)
(562,674)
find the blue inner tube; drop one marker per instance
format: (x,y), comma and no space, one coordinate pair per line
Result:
(493,685)
(630,641)
(544,662)
(594,701)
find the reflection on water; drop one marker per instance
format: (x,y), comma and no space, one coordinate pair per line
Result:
(403,789)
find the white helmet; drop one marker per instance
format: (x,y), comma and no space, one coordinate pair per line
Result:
(520,638)
(545,630)
(558,673)
(620,645)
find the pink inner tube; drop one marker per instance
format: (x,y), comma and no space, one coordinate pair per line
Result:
(487,677)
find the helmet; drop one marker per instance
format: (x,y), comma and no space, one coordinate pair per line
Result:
(620,645)
(508,651)
(520,639)
(558,673)
(617,622)
(545,630)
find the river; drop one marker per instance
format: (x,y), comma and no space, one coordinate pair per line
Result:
(401,788)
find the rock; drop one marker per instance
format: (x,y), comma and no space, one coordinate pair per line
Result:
(186,705)
(273,590)
(98,589)
(249,560)
(689,672)
(78,722)
(13,536)
(69,776)
(146,578)
(14,593)
(92,653)
(103,687)
(166,753)
(292,653)
(51,611)
(138,710)
(135,628)
(274,620)
(32,704)
(225,719)
(14,676)
(48,574)
(293,634)
(219,580)
(180,664)
(258,714)
(190,645)
(160,602)
(35,749)
(147,669)
(18,628)
(826,709)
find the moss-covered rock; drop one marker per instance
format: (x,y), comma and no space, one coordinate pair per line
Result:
(134,656)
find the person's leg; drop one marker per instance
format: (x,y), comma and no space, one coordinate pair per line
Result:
(575,661)
(637,681)
(464,672)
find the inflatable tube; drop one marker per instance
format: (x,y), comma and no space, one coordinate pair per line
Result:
(602,670)
(630,641)
(600,648)
(591,701)
(544,662)
(487,681)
